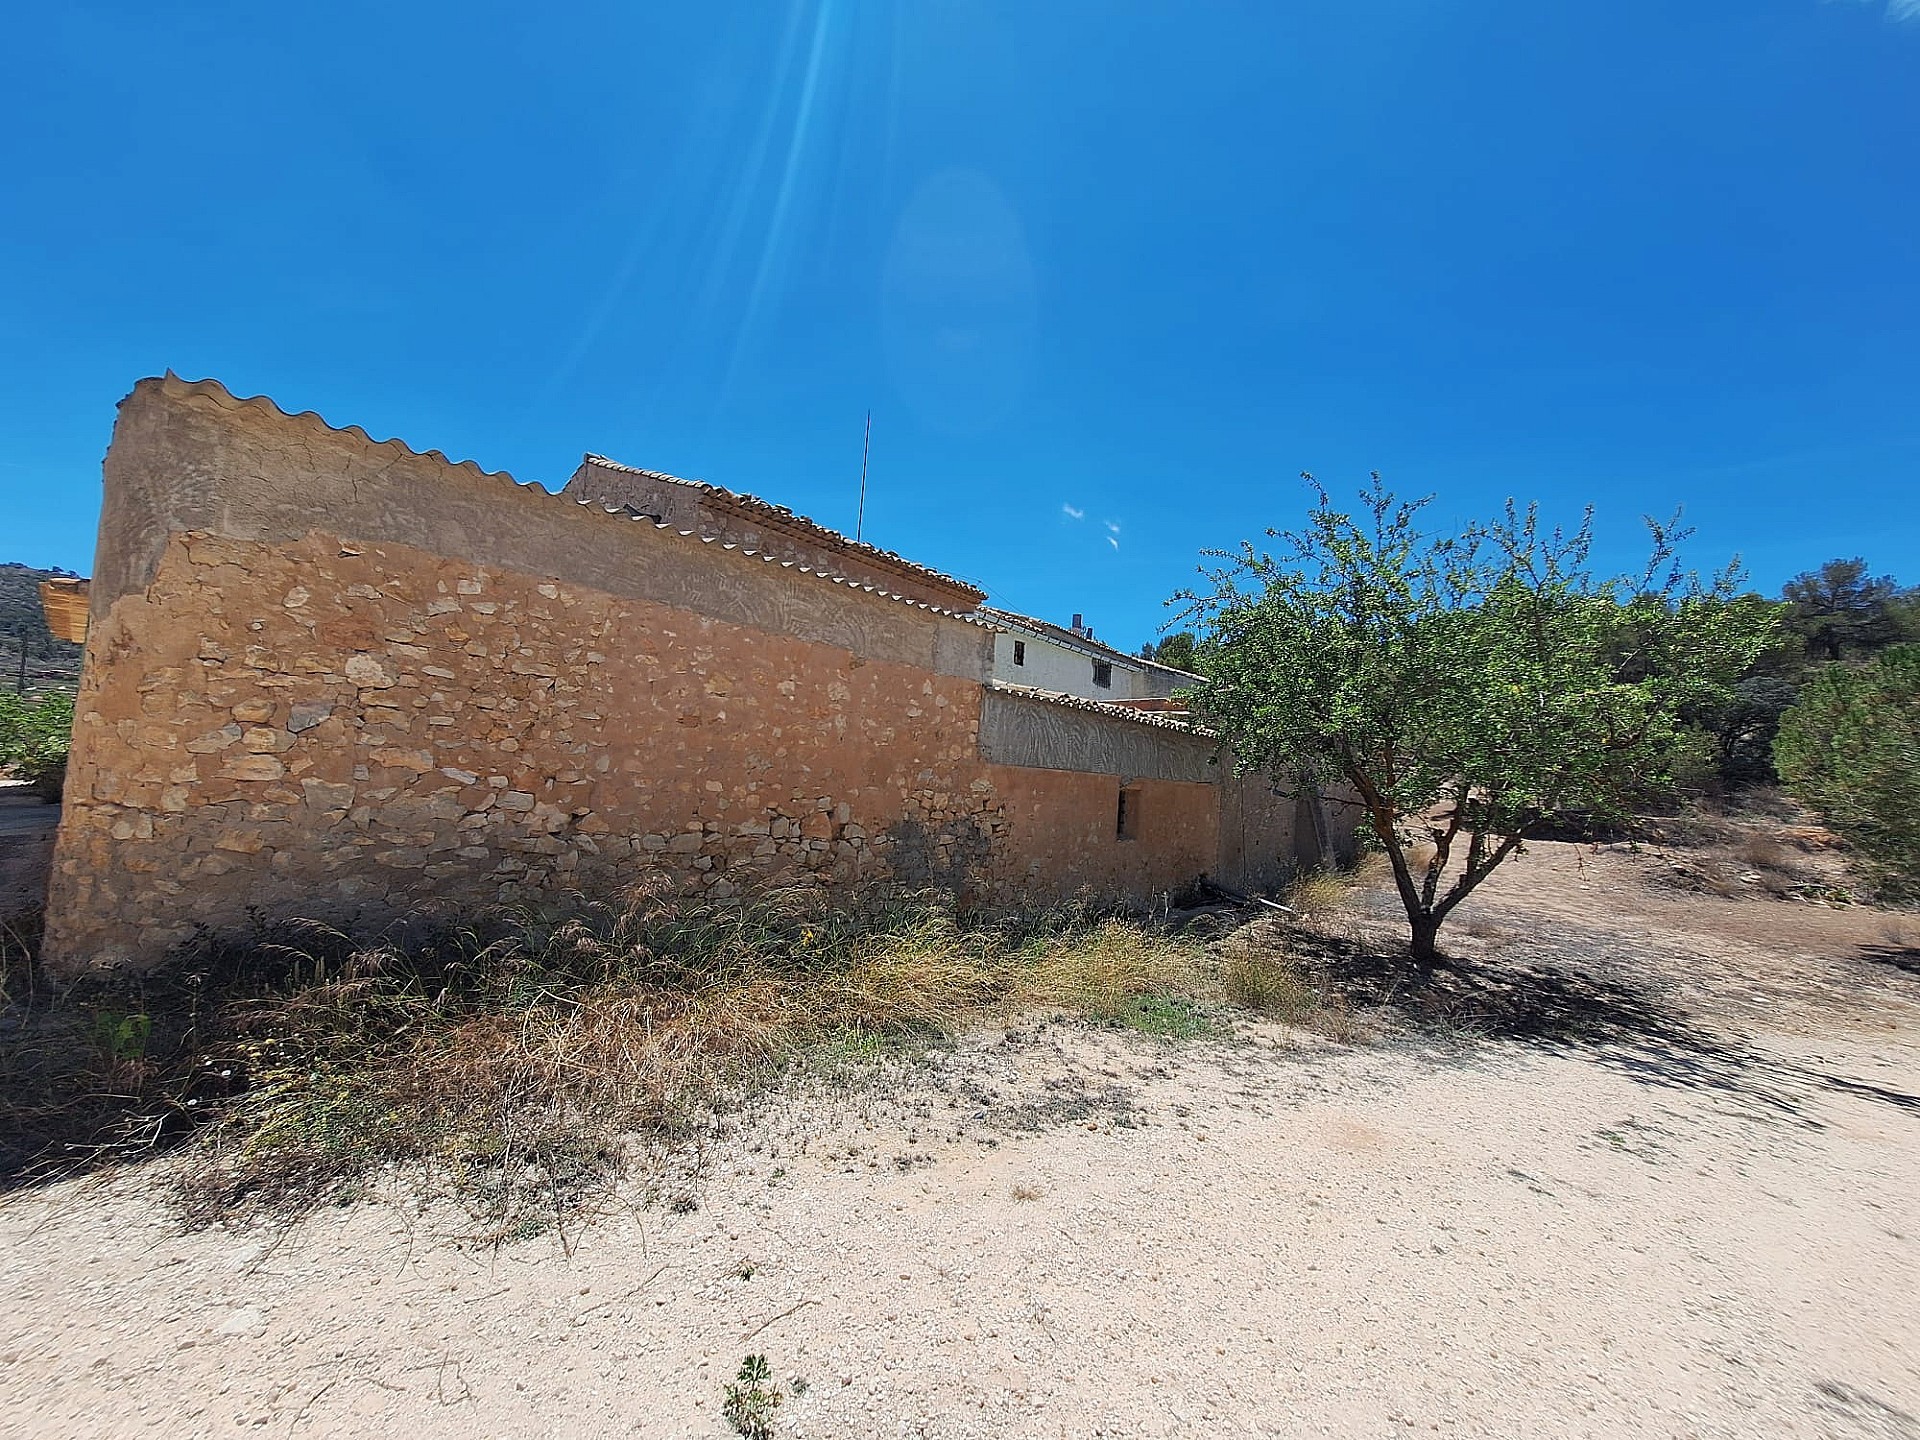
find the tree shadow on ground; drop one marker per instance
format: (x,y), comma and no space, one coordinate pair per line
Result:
(1900,957)
(75,1096)
(1565,1006)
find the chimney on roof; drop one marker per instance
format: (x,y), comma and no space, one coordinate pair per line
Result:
(1077,627)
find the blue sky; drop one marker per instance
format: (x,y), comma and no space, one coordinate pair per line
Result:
(1108,275)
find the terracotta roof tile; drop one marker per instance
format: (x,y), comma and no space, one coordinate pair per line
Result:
(832,539)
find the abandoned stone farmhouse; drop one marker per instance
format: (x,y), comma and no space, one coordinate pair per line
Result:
(331,676)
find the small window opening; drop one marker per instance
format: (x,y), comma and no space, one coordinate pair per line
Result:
(1019,652)
(1127,825)
(1103,674)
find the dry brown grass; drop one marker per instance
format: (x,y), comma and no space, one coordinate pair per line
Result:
(1098,970)
(1757,843)
(1699,826)
(1268,985)
(1488,929)
(1259,972)
(1320,892)
(1718,876)
(1901,931)
(523,1062)
(1766,802)
(1419,856)
(19,942)
(632,1021)
(1761,851)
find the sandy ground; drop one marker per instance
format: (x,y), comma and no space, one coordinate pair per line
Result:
(1684,1203)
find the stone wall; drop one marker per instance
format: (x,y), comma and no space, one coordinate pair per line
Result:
(332,677)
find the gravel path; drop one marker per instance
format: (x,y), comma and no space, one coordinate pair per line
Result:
(1696,1217)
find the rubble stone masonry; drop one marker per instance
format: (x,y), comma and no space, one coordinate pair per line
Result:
(332,677)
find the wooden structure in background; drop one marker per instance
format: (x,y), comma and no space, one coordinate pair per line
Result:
(65,602)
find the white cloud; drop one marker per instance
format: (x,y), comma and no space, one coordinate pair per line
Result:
(1900,12)
(1073,514)
(1113,527)
(1113,541)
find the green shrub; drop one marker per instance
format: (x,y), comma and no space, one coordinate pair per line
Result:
(35,733)
(1850,748)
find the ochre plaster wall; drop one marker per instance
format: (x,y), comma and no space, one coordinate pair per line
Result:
(1064,826)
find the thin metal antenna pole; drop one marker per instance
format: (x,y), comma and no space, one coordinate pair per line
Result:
(866,445)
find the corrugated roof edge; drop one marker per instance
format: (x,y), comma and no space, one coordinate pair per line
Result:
(782,512)
(212,389)
(1158,721)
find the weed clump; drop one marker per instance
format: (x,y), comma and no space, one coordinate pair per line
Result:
(1319,892)
(752,1399)
(1268,985)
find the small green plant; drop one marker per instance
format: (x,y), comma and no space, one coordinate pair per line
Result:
(752,1399)
(1162,1016)
(122,1039)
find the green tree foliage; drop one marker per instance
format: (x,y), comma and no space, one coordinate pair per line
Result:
(1468,689)
(1745,727)
(35,731)
(1176,650)
(1850,748)
(1842,611)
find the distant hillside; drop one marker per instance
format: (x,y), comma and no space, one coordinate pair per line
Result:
(49,661)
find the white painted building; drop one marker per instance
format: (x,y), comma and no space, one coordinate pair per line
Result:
(1069,661)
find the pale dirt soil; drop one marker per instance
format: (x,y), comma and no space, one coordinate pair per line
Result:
(1659,1175)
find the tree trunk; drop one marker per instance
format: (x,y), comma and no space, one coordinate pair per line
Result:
(1425,932)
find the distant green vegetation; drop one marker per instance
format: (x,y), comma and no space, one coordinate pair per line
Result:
(35,731)
(1850,748)
(1839,614)
(1176,650)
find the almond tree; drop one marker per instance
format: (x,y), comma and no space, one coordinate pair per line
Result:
(1466,689)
